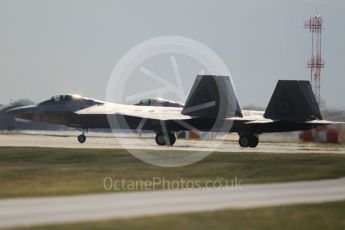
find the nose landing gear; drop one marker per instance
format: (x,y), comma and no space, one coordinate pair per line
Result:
(82,137)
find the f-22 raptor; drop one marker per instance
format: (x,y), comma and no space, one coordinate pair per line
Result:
(211,106)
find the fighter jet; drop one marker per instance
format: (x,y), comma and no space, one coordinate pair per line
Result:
(211,106)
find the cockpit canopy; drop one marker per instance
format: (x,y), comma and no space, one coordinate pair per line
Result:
(159,102)
(63,98)
(66,97)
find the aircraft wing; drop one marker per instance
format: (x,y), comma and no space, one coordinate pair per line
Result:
(259,121)
(314,122)
(262,121)
(324,122)
(148,112)
(210,97)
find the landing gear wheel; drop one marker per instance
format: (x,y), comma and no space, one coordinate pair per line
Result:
(248,141)
(172,138)
(160,139)
(253,141)
(81,138)
(244,141)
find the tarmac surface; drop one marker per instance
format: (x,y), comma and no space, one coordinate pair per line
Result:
(83,208)
(108,141)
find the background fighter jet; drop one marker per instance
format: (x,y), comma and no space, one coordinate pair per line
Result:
(211,106)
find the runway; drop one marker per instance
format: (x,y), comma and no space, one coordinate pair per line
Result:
(108,141)
(70,209)
(81,208)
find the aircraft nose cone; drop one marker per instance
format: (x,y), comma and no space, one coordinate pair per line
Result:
(21,112)
(13,112)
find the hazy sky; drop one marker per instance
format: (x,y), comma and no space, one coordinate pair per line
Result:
(50,47)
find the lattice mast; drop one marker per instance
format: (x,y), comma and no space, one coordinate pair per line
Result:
(314,24)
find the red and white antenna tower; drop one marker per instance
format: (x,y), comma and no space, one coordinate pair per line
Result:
(314,24)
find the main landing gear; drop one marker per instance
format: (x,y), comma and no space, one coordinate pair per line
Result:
(168,139)
(248,140)
(82,137)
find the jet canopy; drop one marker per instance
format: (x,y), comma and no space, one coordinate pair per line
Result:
(63,98)
(159,102)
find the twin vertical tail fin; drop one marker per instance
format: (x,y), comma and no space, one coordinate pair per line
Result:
(293,100)
(212,97)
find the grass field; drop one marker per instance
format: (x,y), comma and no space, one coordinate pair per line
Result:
(311,216)
(30,172)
